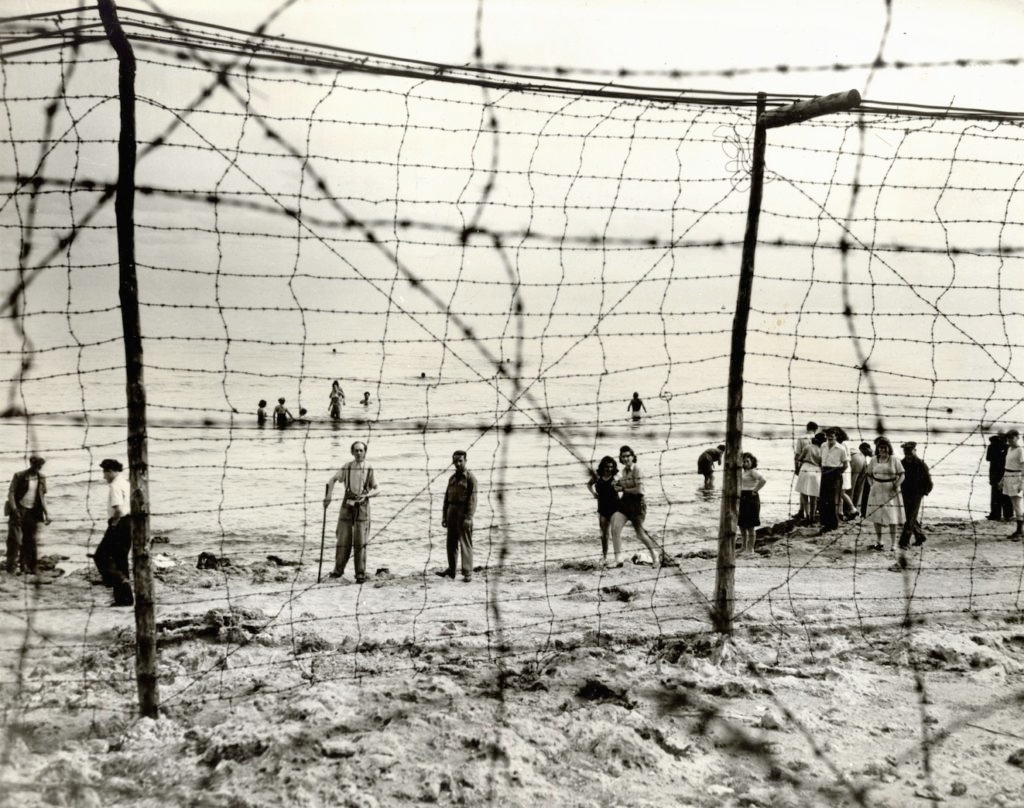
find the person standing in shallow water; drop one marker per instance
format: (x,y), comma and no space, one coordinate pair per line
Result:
(282,417)
(457,516)
(354,517)
(337,398)
(25,508)
(261,413)
(634,406)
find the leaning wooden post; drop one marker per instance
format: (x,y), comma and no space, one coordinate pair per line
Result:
(726,570)
(722,608)
(138,453)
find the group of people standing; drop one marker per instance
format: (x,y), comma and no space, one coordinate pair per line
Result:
(1006,477)
(282,416)
(835,483)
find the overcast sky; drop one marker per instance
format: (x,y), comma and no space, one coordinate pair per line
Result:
(665,35)
(703,40)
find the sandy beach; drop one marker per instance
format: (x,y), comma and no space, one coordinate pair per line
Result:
(560,683)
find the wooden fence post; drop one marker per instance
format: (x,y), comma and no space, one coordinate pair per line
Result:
(725,575)
(138,458)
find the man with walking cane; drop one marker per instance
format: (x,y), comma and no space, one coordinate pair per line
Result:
(354,517)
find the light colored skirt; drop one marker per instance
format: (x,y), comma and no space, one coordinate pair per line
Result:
(885,504)
(808,481)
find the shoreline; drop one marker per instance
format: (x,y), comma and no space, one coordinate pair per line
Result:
(562,682)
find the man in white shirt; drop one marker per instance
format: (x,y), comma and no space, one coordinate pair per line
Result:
(834,461)
(111,556)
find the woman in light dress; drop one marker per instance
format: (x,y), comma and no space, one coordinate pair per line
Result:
(885,505)
(808,481)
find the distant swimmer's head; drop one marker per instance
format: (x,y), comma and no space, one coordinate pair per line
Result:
(280,401)
(263,402)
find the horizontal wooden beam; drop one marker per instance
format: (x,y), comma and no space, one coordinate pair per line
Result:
(804,110)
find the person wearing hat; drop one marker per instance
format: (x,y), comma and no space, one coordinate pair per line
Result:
(916,485)
(25,508)
(1013,481)
(111,556)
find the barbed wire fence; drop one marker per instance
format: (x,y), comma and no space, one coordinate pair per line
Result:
(495,258)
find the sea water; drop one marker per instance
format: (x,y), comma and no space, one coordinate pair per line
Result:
(219,483)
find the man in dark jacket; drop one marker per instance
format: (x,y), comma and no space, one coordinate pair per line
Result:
(1000,508)
(917,484)
(25,508)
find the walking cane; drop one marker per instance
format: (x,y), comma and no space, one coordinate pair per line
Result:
(323,536)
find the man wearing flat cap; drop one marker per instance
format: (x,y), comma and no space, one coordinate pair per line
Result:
(916,485)
(25,508)
(111,556)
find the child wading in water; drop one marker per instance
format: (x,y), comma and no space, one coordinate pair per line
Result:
(751,481)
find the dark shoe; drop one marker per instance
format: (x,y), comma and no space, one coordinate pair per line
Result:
(467,578)
(877,547)
(360,579)
(919,542)
(335,574)
(903,545)
(1015,536)
(123,594)
(444,574)
(994,518)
